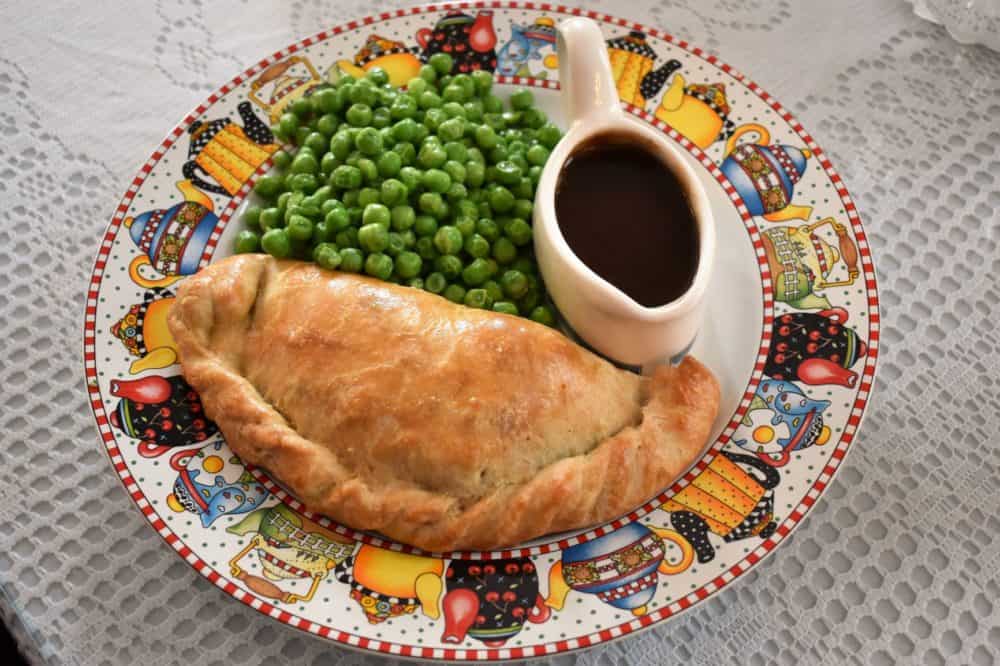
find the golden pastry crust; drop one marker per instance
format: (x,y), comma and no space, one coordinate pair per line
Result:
(445,427)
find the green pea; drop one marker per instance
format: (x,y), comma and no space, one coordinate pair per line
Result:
(495,121)
(360,93)
(529,301)
(271,218)
(524,189)
(327,256)
(505,307)
(322,232)
(455,171)
(381,118)
(429,100)
(300,228)
(301,133)
(425,225)
(403,107)
(288,124)
(378,76)
(433,119)
(276,243)
(251,216)
(500,199)
(379,265)
(504,251)
(466,208)
(303,182)
(475,174)
(486,137)
(476,155)
(396,245)
(411,177)
(448,240)
(359,115)
(376,213)
(347,238)
(441,62)
(428,74)
(535,174)
(455,293)
(326,100)
(453,93)
(369,172)
(521,99)
(435,283)
(478,298)
(341,145)
(305,163)
(457,192)
(451,129)
(466,225)
(432,204)
(448,265)
(368,141)
(533,118)
(537,154)
(406,152)
(422,133)
(456,151)
(548,135)
(522,209)
(543,315)
(484,206)
(330,204)
(431,156)
(436,180)
(373,237)
(351,259)
(346,177)
(409,264)
(498,154)
(487,229)
(269,186)
(317,142)
(247,241)
(389,163)
(492,104)
(483,81)
(477,246)
(405,130)
(416,87)
(455,110)
(328,163)
(415,282)
(402,216)
(368,196)
(514,284)
(393,192)
(281,159)
(473,110)
(476,273)
(519,232)
(350,198)
(492,288)
(409,238)
(425,248)
(508,173)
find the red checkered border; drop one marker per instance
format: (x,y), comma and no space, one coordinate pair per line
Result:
(555,647)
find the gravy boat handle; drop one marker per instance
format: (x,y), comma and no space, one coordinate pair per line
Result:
(588,86)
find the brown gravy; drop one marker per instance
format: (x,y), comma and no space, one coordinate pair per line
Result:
(627,217)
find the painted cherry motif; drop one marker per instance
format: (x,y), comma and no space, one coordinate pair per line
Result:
(162,412)
(815,348)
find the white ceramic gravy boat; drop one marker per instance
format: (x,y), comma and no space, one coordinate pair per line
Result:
(606,318)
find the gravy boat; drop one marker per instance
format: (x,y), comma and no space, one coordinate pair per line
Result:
(602,315)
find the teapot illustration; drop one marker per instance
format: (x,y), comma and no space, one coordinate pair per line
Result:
(469,41)
(144,332)
(172,240)
(527,42)
(765,175)
(226,152)
(281,84)
(632,61)
(801,263)
(699,111)
(397,59)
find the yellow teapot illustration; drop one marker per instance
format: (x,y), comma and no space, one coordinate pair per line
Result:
(765,175)
(801,263)
(281,84)
(398,60)
(144,332)
(698,111)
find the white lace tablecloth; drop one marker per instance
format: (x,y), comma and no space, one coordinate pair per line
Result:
(897,564)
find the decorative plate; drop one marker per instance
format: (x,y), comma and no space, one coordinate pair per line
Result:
(791,331)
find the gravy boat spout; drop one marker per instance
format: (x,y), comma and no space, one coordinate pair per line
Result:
(605,317)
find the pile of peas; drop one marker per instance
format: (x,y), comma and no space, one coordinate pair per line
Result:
(429,186)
